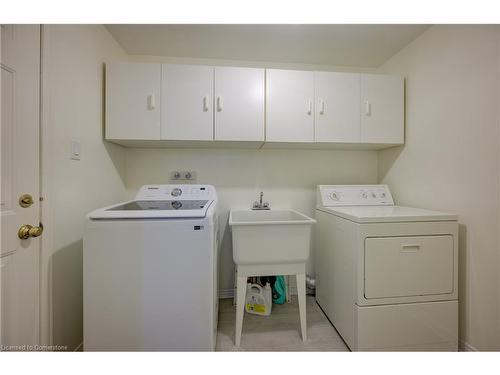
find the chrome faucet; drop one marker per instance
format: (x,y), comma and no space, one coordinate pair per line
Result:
(261,205)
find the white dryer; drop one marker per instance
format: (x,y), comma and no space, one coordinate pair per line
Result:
(387,276)
(150,272)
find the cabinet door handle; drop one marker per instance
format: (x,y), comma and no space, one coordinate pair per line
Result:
(151,102)
(205,104)
(309,107)
(219,104)
(321,107)
(368,108)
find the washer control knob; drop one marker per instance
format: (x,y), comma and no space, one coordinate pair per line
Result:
(176,205)
(374,195)
(334,196)
(364,195)
(176,192)
(382,195)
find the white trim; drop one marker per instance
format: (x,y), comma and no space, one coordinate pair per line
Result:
(38,323)
(226,293)
(0,192)
(464,346)
(45,190)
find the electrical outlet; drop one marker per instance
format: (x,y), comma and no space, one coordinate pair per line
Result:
(183,176)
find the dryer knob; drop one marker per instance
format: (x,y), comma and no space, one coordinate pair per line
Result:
(176,192)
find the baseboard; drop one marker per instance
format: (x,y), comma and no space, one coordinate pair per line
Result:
(464,346)
(79,348)
(226,293)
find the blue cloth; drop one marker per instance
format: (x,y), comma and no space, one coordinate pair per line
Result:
(279,290)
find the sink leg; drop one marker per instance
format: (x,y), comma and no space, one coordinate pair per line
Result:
(241,289)
(301,291)
(287,280)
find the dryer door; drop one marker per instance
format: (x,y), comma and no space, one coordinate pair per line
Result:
(408,266)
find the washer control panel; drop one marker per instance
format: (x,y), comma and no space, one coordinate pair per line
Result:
(354,195)
(184,192)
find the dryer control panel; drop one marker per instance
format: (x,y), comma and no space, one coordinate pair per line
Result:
(353,195)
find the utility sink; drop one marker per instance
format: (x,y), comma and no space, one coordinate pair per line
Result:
(270,236)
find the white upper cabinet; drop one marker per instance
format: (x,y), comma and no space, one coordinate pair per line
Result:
(382,109)
(187,102)
(337,107)
(190,103)
(133,101)
(289,106)
(239,104)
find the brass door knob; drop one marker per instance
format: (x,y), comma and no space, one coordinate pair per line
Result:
(26,231)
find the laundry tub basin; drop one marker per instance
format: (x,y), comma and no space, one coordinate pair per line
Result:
(270,236)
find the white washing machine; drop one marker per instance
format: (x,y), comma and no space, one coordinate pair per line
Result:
(150,272)
(386,275)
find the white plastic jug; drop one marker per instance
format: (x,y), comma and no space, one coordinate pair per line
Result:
(259,300)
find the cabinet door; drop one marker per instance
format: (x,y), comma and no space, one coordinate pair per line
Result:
(289,106)
(239,104)
(132,101)
(382,107)
(187,102)
(337,107)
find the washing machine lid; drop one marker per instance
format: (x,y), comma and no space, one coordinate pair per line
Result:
(149,209)
(162,202)
(387,214)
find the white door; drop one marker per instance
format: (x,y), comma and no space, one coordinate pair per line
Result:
(133,101)
(19,258)
(382,107)
(289,106)
(239,104)
(187,102)
(337,107)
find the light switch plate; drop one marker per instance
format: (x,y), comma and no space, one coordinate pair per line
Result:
(75,149)
(183,176)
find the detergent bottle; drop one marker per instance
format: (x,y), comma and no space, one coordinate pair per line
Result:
(259,299)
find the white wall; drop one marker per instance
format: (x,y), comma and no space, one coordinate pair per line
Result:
(287,177)
(249,64)
(451,158)
(73,59)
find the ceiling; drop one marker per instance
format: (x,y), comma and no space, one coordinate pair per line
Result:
(347,45)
